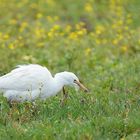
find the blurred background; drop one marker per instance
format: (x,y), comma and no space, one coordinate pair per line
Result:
(62,35)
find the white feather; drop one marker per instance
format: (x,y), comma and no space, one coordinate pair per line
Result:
(28,82)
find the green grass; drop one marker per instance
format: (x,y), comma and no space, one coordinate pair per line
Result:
(105,57)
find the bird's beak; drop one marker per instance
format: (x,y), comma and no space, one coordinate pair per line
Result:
(81,86)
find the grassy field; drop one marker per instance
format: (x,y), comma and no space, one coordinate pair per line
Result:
(99,41)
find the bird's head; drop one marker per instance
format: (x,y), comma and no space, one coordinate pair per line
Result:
(71,79)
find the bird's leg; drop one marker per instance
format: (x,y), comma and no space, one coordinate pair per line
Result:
(12,104)
(65,96)
(9,103)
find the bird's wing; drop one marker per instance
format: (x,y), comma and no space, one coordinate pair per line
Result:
(25,77)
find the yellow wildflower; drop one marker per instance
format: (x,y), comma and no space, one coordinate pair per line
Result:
(88,7)
(56,18)
(124,48)
(27,57)
(39,32)
(49,18)
(40,44)
(50,34)
(115,41)
(51,2)
(56,27)
(11,46)
(13,21)
(39,15)
(99,29)
(88,51)
(23,26)
(6,36)
(33,5)
(79,25)
(73,35)
(81,32)
(97,41)
(68,28)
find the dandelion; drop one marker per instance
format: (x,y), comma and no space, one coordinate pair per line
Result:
(33,5)
(11,46)
(81,32)
(6,36)
(56,18)
(39,15)
(39,32)
(73,35)
(49,19)
(88,7)
(99,29)
(56,27)
(23,26)
(97,41)
(13,21)
(87,51)
(115,41)
(50,34)
(40,44)
(50,2)
(124,48)
(27,57)
(68,28)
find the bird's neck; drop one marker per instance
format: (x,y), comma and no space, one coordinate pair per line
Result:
(58,84)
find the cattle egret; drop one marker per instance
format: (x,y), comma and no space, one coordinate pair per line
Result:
(29,82)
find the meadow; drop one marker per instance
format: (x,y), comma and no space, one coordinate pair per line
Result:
(98,40)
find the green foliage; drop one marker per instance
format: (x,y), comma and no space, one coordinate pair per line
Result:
(97,40)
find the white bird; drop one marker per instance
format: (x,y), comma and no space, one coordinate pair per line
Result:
(28,82)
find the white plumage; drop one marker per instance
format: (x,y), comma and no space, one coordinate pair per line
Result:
(28,82)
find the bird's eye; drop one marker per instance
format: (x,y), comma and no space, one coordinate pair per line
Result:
(74,81)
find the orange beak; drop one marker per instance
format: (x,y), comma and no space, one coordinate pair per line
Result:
(81,86)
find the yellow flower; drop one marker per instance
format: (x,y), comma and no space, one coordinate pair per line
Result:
(122,138)
(27,57)
(120,22)
(68,28)
(88,7)
(13,21)
(33,5)
(11,46)
(39,15)
(120,36)
(124,48)
(40,44)
(23,26)
(99,29)
(6,36)
(56,18)
(81,32)
(88,51)
(97,41)
(80,25)
(39,32)
(73,35)
(115,41)
(51,2)
(50,34)
(56,27)
(49,19)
